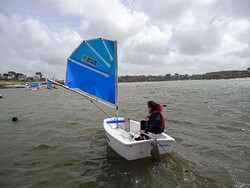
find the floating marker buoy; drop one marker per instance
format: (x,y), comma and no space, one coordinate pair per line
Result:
(14,119)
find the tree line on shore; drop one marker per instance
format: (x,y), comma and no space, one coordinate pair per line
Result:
(143,78)
(176,76)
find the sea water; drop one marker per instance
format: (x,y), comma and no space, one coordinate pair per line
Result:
(59,141)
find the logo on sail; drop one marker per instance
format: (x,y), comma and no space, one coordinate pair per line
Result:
(89,60)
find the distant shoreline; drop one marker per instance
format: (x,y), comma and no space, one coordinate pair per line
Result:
(233,74)
(12,84)
(17,84)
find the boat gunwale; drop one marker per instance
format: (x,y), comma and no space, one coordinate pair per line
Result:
(131,141)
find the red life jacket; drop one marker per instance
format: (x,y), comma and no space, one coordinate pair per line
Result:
(158,111)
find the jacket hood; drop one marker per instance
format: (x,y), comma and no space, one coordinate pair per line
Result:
(160,107)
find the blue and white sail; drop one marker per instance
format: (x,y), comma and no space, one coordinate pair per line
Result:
(34,85)
(49,85)
(92,69)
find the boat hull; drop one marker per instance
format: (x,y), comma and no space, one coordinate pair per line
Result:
(121,138)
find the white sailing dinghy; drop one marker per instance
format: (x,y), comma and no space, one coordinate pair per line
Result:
(92,72)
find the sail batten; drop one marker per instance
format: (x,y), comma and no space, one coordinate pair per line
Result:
(110,56)
(106,63)
(92,69)
(82,65)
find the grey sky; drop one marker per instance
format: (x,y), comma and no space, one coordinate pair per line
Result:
(154,37)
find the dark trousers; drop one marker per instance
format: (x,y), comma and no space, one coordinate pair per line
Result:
(155,130)
(143,124)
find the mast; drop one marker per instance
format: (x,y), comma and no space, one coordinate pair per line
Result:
(116,78)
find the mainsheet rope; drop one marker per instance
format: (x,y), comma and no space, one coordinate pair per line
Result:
(65,87)
(100,108)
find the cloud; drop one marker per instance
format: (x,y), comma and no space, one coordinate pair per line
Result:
(164,11)
(153,38)
(30,46)
(196,41)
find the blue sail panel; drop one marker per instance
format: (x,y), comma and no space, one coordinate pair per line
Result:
(49,85)
(92,69)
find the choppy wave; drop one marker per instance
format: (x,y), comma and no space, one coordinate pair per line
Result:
(59,140)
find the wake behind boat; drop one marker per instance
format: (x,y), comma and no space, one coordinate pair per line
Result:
(92,72)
